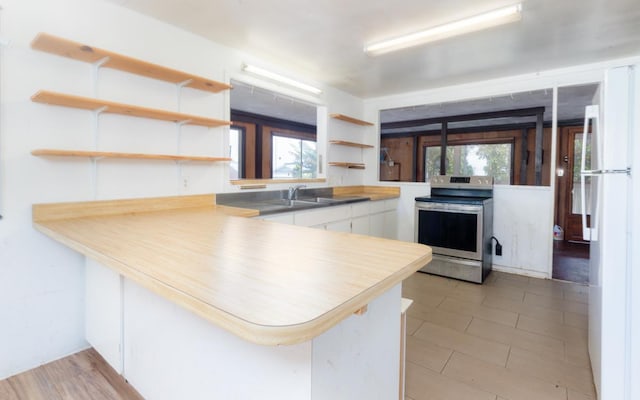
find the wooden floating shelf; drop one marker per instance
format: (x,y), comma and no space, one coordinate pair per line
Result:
(352,120)
(86,103)
(110,154)
(82,52)
(350,144)
(347,165)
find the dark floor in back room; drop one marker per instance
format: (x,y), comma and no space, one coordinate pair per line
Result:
(571,261)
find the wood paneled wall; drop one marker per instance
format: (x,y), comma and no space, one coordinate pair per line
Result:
(403,151)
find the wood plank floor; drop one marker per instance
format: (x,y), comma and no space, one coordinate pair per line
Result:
(81,376)
(512,338)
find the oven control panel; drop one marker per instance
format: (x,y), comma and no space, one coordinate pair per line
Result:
(461,182)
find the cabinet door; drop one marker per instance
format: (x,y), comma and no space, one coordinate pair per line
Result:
(390,224)
(360,225)
(376,225)
(340,226)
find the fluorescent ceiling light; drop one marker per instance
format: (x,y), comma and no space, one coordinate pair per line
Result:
(279,78)
(471,24)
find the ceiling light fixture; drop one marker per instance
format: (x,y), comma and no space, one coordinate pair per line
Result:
(279,78)
(471,24)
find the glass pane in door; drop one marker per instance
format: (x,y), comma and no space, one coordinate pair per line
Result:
(576,196)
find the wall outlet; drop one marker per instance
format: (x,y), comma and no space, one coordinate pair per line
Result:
(185,182)
(498,249)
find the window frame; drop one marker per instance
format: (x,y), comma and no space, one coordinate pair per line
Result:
(242,134)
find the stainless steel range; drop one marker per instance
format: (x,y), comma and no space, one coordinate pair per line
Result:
(456,221)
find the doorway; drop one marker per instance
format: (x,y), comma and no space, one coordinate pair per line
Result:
(570,250)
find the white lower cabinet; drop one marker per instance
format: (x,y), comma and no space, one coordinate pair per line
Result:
(167,352)
(383,219)
(373,218)
(376,225)
(390,224)
(360,225)
(103,312)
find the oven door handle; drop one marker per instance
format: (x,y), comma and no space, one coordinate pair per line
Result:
(449,207)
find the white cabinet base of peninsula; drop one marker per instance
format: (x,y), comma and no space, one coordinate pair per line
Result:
(171,353)
(103,312)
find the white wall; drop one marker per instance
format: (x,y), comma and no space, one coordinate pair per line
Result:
(521,218)
(42,282)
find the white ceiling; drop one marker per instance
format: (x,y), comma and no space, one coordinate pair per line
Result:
(322,40)
(259,101)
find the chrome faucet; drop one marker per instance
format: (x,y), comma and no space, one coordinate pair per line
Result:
(293,191)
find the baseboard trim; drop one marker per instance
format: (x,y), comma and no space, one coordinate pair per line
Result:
(520,271)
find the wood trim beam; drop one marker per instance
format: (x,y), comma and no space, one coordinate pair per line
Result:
(521,112)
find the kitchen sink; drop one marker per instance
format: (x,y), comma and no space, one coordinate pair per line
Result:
(334,200)
(321,200)
(273,206)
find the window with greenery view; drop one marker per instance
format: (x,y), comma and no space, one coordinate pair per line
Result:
(293,158)
(472,159)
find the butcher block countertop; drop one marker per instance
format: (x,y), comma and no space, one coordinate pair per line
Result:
(266,282)
(372,192)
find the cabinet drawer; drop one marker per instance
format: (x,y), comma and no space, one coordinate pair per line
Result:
(377,206)
(283,218)
(322,216)
(391,204)
(360,209)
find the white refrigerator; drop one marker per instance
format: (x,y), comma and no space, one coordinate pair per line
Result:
(614,234)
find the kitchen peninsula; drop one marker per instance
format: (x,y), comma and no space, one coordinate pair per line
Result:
(189,299)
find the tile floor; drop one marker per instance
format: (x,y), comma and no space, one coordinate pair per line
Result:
(512,338)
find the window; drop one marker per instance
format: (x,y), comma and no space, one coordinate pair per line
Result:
(235,153)
(472,159)
(270,148)
(293,157)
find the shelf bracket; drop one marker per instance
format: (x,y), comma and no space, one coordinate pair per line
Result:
(101,62)
(96,125)
(184,83)
(94,176)
(179,87)
(100,110)
(95,72)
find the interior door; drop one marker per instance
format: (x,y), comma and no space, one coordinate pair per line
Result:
(572,199)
